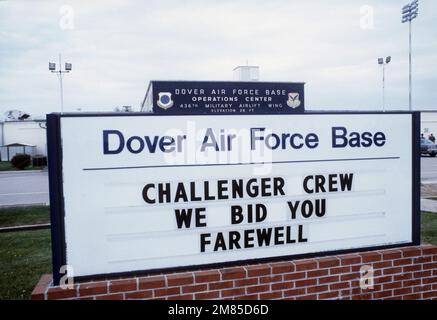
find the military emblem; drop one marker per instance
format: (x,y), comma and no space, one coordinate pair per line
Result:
(164,100)
(293,100)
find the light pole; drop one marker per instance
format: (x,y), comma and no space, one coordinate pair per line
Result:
(60,73)
(383,63)
(409,13)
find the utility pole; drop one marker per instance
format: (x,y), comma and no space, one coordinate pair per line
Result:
(60,73)
(409,13)
(383,64)
(410,77)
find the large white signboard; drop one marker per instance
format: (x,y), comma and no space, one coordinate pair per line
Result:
(153,192)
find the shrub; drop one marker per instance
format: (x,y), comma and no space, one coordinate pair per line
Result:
(21,161)
(39,161)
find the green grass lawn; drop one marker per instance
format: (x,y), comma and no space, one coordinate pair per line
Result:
(24,216)
(26,255)
(7,166)
(429,228)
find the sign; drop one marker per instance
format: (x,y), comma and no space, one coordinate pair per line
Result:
(139,192)
(219,98)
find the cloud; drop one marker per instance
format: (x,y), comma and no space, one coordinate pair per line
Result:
(116,47)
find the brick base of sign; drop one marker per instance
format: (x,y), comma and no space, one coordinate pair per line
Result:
(400,274)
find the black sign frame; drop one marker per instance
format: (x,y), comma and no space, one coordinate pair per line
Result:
(169,90)
(57,211)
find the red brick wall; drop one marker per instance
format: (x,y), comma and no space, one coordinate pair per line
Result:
(404,273)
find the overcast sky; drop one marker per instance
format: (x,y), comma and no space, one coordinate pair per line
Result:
(118,46)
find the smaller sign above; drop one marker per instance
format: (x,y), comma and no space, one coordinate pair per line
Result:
(195,97)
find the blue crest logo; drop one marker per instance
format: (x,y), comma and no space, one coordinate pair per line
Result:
(293,100)
(164,100)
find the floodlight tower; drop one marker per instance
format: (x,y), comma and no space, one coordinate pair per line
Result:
(60,73)
(383,63)
(409,13)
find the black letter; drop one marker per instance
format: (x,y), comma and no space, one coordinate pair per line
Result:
(145,196)
(346,181)
(183,217)
(293,208)
(204,241)
(301,239)
(120,148)
(305,184)
(200,217)
(237,215)
(264,236)
(234,238)
(336,136)
(278,186)
(379,139)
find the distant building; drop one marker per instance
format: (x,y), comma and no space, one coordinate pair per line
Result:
(124,109)
(7,152)
(246,73)
(429,123)
(24,132)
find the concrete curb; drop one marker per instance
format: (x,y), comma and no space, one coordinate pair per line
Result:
(22,171)
(27,205)
(25,228)
(428,205)
(428,182)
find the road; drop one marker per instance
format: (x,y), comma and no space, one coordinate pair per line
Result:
(429,170)
(24,188)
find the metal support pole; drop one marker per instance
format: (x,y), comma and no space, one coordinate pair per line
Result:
(60,74)
(62,92)
(410,76)
(383,87)
(61,85)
